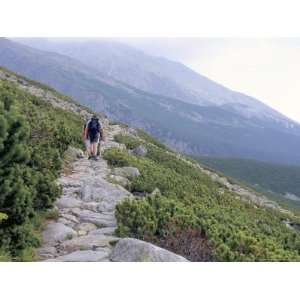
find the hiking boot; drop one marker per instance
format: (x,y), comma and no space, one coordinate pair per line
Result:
(95,158)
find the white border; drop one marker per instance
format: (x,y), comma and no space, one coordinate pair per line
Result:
(145,281)
(150,18)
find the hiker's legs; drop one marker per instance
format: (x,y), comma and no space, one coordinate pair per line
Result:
(94,144)
(94,149)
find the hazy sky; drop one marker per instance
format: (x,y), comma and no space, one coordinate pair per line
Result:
(268,69)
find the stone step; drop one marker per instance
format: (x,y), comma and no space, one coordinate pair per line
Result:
(84,256)
(87,242)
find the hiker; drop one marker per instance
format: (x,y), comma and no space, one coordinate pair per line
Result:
(93,133)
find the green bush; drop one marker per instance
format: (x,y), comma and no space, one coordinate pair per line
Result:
(235,230)
(33,138)
(116,157)
(139,218)
(130,141)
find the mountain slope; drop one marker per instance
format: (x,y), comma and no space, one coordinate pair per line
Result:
(278,179)
(178,205)
(193,129)
(156,75)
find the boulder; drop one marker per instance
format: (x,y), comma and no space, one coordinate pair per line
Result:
(141,150)
(127,172)
(84,256)
(122,181)
(57,232)
(133,250)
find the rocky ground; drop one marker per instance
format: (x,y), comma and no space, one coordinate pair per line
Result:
(85,228)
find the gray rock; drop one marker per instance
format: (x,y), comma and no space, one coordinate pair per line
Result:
(133,250)
(85,256)
(132,131)
(112,144)
(93,206)
(88,242)
(67,202)
(67,182)
(128,172)
(141,150)
(99,219)
(70,217)
(66,222)
(103,231)
(87,191)
(46,252)
(101,190)
(86,227)
(57,232)
(124,182)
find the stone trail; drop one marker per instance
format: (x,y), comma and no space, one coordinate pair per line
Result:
(85,228)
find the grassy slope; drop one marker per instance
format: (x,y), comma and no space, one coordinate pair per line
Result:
(51,131)
(263,176)
(231,229)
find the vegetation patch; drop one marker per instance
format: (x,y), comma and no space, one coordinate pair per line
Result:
(129,141)
(209,225)
(33,138)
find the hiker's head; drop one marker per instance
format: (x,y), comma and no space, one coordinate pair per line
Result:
(94,116)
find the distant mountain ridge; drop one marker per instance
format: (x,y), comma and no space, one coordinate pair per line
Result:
(155,75)
(195,129)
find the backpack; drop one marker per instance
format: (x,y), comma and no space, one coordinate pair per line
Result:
(94,126)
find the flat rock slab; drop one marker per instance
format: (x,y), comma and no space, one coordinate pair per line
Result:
(88,242)
(46,252)
(86,227)
(69,217)
(69,182)
(67,202)
(99,219)
(57,232)
(98,189)
(85,256)
(128,172)
(133,250)
(104,230)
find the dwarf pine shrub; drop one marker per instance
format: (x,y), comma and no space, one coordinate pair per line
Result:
(33,138)
(227,228)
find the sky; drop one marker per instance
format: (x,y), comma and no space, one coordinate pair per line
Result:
(267,69)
